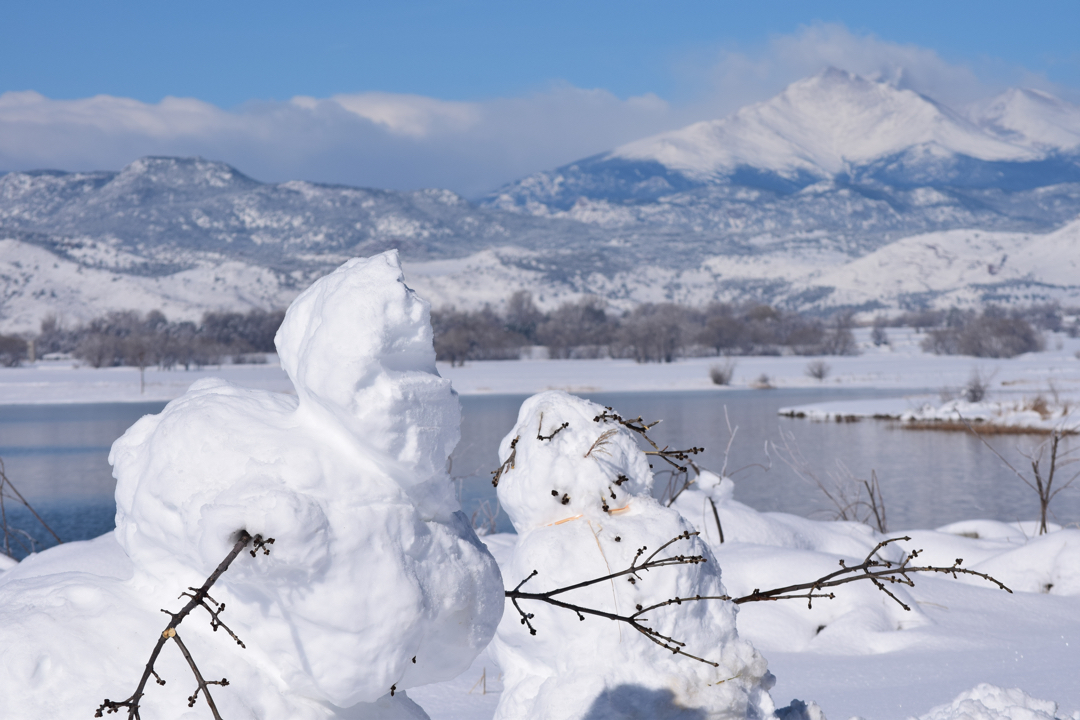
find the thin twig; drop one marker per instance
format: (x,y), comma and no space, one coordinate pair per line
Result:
(879,572)
(198,598)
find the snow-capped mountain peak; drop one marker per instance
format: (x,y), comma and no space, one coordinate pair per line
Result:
(1030,117)
(821,126)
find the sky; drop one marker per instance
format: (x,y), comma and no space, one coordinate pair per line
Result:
(467,95)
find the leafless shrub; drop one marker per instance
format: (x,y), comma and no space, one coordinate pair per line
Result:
(1039,405)
(1046,461)
(977,386)
(878,334)
(763,382)
(722,373)
(818,369)
(485,518)
(853,498)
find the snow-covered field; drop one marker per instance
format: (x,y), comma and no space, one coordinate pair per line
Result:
(959,648)
(900,365)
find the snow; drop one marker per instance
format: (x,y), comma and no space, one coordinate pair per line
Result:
(77,621)
(818,126)
(916,376)
(375,581)
(578,492)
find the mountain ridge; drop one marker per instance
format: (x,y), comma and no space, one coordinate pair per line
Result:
(627,225)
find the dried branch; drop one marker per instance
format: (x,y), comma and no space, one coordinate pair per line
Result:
(879,572)
(846,490)
(599,445)
(9,491)
(680,474)
(508,465)
(198,598)
(632,573)
(556,431)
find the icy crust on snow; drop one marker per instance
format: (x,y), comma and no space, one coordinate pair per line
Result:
(374,580)
(575,523)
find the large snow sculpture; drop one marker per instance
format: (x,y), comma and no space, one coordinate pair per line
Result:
(374,581)
(577,491)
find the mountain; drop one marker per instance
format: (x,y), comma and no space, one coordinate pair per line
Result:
(835,127)
(840,192)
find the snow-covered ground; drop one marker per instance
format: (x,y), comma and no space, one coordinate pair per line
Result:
(857,655)
(872,659)
(901,365)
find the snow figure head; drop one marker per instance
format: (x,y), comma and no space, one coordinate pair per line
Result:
(375,579)
(576,486)
(365,357)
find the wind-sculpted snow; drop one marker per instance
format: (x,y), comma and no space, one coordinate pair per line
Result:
(375,581)
(577,490)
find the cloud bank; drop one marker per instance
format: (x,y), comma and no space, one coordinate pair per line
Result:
(406,141)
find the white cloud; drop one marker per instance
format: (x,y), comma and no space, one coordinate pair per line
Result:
(372,139)
(409,141)
(736,76)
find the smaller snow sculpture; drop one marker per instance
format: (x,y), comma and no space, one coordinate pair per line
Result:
(577,488)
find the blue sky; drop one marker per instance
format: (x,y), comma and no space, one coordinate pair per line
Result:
(466,94)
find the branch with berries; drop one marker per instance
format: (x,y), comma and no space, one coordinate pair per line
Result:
(197,597)
(882,573)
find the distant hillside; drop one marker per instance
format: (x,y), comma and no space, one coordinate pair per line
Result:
(838,192)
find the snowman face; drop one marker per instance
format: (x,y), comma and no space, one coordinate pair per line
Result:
(570,459)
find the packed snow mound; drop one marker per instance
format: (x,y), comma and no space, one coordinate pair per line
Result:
(989,702)
(375,579)
(579,498)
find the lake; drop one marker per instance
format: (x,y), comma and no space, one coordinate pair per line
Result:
(56,455)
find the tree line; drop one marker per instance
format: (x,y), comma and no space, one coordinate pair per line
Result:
(134,339)
(651,332)
(584,328)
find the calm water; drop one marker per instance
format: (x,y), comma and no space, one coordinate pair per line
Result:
(57,457)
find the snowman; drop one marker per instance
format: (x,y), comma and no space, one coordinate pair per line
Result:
(375,582)
(577,489)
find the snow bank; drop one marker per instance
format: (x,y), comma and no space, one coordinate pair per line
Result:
(374,580)
(988,702)
(1021,414)
(1030,413)
(577,490)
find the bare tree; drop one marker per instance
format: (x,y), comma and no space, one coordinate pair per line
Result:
(1046,461)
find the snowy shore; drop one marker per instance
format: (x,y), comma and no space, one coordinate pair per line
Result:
(858,655)
(902,365)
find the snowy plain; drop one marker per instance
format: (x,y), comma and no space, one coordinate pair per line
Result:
(900,365)
(857,655)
